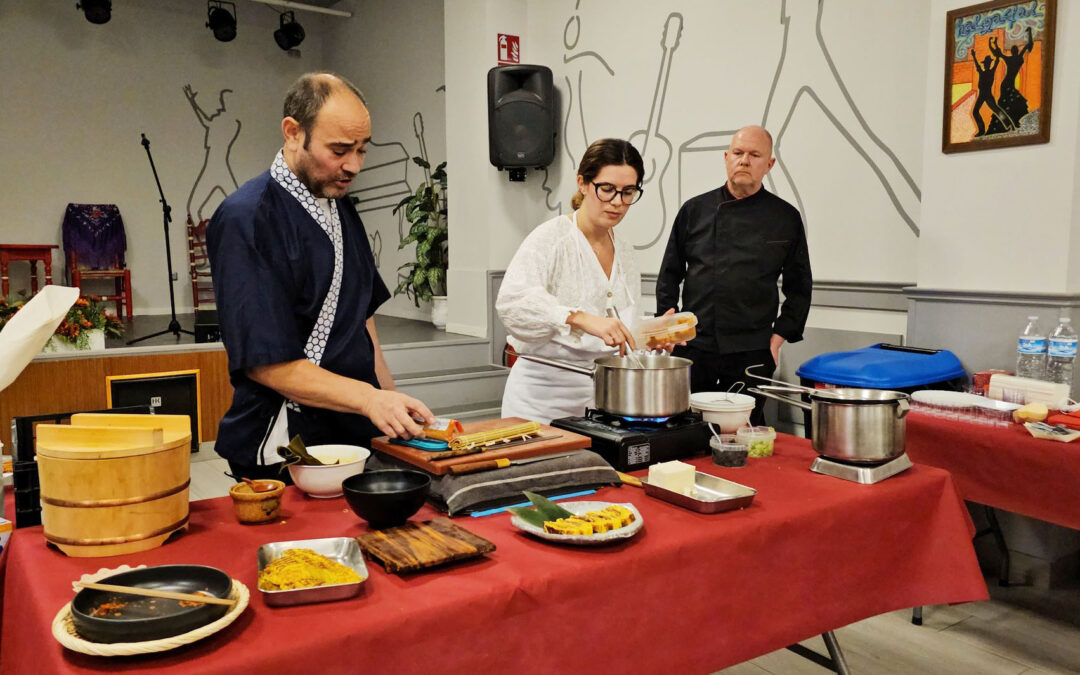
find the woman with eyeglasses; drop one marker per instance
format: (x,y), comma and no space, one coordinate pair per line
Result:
(568,285)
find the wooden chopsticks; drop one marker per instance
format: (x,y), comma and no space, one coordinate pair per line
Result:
(155,593)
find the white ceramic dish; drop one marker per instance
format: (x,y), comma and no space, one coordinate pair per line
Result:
(324,482)
(624,532)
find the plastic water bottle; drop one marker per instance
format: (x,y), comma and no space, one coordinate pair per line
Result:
(1061,353)
(1031,351)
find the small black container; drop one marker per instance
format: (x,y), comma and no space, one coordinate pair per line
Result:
(728,454)
(386,498)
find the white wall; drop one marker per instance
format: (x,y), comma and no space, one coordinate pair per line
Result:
(77,96)
(853,163)
(393,52)
(488,215)
(1006,219)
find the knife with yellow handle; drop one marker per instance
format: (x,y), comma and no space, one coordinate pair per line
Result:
(503,462)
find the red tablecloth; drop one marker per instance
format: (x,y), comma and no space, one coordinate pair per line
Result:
(1006,468)
(690,593)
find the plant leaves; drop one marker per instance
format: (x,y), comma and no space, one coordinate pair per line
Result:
(547,508)
(530,516)
(420,161)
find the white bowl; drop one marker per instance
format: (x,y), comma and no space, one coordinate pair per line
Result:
(727,410)
(324,482)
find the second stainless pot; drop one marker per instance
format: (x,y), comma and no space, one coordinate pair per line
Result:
(661,387)
(865,426)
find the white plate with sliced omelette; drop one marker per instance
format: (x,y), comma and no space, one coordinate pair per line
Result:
(580,508)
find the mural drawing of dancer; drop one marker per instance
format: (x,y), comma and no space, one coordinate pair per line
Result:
(805,45)
(216,175)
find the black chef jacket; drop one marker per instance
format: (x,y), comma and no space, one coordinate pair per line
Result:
(728,254)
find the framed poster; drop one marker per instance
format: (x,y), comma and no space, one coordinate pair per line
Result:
(999,73)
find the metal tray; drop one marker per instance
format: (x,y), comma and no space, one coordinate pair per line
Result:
(711,494)
(344,550)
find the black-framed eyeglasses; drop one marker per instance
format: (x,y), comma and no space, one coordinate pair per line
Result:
(606,192)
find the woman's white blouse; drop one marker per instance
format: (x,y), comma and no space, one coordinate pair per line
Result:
(555,272)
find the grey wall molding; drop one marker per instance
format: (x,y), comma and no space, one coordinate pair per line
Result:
(993,297)
(875,295)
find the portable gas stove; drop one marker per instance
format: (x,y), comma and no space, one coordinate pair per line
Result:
(629,444)
(866,474)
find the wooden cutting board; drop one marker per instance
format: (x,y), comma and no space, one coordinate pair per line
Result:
(416,546)
(560,441)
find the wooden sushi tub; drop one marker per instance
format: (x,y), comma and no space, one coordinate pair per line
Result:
(113,484)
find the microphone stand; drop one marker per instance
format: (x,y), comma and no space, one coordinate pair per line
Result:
(166,214)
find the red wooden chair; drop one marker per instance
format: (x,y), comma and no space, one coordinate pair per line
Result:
(202,281)
(95,242)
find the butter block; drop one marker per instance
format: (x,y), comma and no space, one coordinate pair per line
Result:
(675,476)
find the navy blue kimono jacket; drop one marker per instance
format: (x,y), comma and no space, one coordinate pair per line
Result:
(272,265)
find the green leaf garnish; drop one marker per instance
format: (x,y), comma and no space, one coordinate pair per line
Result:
(547,508)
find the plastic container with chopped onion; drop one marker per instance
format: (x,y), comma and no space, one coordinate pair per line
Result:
(758,440)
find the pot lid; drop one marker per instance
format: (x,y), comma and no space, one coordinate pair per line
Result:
(721,401)
(851,395)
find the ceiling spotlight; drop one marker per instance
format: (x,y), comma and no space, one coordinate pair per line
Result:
(220,20)
(96,11)
(290,34)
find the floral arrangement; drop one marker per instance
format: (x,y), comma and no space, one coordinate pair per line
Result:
(88,313)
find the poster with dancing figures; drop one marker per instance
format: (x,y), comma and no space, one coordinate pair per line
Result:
(999,72)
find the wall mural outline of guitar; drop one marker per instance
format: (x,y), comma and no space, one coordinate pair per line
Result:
(655,148)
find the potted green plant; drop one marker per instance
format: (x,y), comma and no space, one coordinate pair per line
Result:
(425,278)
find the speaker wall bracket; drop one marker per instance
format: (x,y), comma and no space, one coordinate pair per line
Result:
(517,174)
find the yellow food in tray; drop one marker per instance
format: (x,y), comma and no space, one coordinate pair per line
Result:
(304,568)
(592,522)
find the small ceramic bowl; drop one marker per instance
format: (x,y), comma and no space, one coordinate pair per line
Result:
(324,482)
(256,507)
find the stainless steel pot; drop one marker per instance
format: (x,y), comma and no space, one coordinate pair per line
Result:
(865,426)
(658,388)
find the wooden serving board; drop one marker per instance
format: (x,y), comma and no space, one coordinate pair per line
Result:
(416,546)
(559,440)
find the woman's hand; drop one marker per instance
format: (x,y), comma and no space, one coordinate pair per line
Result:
(613,332)
(669,346)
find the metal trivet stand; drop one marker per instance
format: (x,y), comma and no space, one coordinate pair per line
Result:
(867,474)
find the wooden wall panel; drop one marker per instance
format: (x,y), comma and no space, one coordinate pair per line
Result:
(79,384)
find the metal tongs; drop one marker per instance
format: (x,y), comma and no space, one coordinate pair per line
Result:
(629,352)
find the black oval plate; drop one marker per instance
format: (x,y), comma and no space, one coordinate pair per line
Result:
(142,618)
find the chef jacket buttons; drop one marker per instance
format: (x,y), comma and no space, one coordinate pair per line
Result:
(609,294)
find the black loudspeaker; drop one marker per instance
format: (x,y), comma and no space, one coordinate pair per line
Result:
(521,116)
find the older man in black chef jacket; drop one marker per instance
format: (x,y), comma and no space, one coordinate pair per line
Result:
(297,288)
(727,249)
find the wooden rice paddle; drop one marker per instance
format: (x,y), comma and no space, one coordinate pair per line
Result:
(156,593)
(628,479)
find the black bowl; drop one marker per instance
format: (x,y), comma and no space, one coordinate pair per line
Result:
(386,498)
(142,618)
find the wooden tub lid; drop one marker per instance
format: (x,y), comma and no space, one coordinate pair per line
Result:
(92,436)
(177,428)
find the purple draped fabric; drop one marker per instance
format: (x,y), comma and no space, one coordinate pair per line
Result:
(95,233)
